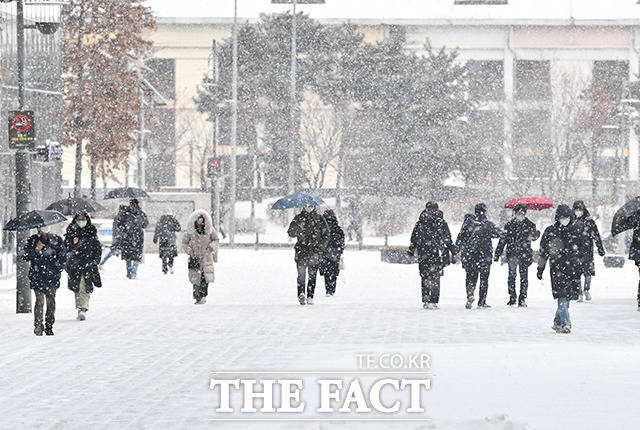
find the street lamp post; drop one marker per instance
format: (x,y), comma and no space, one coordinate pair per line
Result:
(234,124)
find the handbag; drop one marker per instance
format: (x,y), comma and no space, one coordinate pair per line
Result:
(193,263)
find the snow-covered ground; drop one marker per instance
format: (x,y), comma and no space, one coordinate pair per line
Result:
(144,356)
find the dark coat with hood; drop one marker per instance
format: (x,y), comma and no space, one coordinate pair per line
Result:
(83,255)
(335,245)
(474,241)
(634,249)
(517,238)
(431,239)
(560,246)
(589,236)
(165,235)
(312,234)
(47,264)
(130,225)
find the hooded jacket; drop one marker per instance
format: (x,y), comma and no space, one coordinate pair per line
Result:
(83,255)
(312,234)
(560,247)
(474,240)
(130,225)
(47,264)
(431,239)
(517,238)
(165,235)
(335,244)
(589,235)
(201,247)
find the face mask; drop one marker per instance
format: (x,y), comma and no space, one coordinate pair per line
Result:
(310,208)
(520,217)
(82,224)
(565,221)
(579,213)
(42,230)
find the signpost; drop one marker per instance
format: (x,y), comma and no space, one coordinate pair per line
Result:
(213,165)
(22,131)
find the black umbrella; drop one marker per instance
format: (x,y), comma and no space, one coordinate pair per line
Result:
(626,217)
(34,219)
(127,193)
(73,205)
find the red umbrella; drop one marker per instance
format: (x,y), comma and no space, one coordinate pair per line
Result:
(531,202)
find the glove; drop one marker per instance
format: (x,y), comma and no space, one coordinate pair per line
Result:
(601,253)
(496,258)
(539,273)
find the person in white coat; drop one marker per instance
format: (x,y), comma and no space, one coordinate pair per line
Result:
(200,242)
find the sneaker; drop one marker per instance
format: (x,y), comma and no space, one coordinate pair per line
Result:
(565,329)
(309,300)
(328,295)
(37,331)
(81,315)
(426,305)
(580,298)
(522,304)
(202,301)
(483,306)
(302,299)
(48,331)
(511,302)
(556,328)
(469,303)
(434,306)
(171,270)
(587,295)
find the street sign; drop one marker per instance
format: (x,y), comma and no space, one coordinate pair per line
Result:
(213,165)
(22,132)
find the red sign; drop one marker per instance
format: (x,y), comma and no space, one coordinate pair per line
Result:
(212,166)
(21,123)
(22,131)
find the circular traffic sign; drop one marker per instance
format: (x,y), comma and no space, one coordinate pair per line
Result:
(21,123)
(214,164)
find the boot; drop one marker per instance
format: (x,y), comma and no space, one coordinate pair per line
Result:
(469,304)
(38,330)
(48,331)
(302,299)
(587,295)
(81,315)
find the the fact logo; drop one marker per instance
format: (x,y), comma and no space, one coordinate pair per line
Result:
(367,394)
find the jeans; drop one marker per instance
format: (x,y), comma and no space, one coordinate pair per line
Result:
(312,272)
(473,273)
(514,265)
(50,317)
(562,314)
(201,290)
(112,251)
(132,268)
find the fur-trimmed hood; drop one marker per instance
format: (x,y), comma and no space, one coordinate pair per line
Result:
(208,223)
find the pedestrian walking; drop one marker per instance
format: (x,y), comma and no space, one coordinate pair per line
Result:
(431,244)
(559,245)
(165,237)
(589,236)
(115,235)
(476,252)
(131,225)
(46,254)
(83,256)
(200,242)
(518,233)
(330,266)
(312,235)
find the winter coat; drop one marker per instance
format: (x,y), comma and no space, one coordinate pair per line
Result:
(47,264)
(590,234)
(431,239)
(201,247)
(165,236)
(83,257)
(517,237)
(131,225)
(335,246)
(474,241)
(560,246)
(312,234)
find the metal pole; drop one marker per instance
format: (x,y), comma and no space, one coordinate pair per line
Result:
(23,186)
(234,125)
(622,134)
(141,125)
(215,182)
(292,107)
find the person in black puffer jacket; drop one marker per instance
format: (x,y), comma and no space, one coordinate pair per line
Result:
(165,237)
(590,235)
(83,256)
(560,246)
(431,243)
(330,266)
(519,232)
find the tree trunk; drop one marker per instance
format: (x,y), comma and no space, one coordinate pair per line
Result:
(93,181)
(77,187)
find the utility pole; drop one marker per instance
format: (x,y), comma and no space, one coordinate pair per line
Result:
(234,124)
(141,125)
(292,108)
(23,185)
(215,188)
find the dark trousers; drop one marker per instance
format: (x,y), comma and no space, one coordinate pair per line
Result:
(515,266)
(430,275)
(201,290)
(331,271)
(50,317)
(473,273)
(312,272)
(167,262)
(638,287)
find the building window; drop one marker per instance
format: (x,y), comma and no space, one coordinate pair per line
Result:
(531,143)
(610,75)
(533,80)
(486,80)
(480,2)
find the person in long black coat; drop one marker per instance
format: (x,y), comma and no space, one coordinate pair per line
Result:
(114,249)
(312,234)
(47,255)
(590,235)
(518,233)
(83,257)
(330,266)
(476,252)
(634,249)
(165,237)
(431,243)
(560,247)
(131,225)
